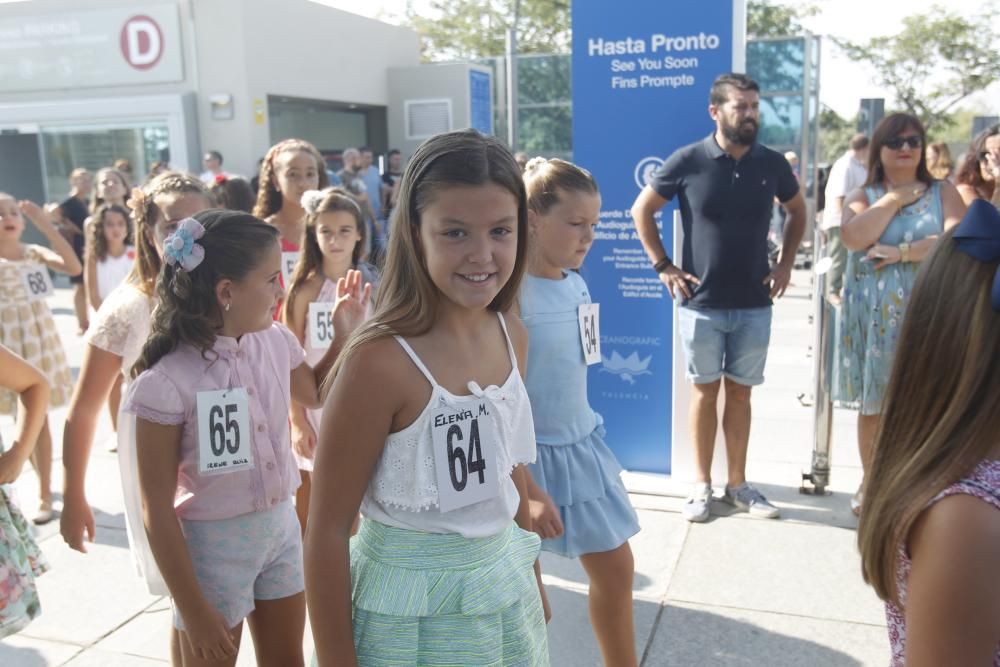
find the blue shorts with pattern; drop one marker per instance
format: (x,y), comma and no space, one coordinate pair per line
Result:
(256,556)
(731,342)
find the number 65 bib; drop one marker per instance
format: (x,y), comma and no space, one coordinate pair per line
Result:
(225,441)
(465,447)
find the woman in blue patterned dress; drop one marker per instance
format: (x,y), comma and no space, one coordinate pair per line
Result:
(889,226)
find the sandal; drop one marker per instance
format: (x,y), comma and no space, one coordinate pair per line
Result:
(856,501)
(44,513)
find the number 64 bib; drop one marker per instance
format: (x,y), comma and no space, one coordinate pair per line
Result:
(225,441)
(465,447)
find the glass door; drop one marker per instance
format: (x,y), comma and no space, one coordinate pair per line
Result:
(93,146)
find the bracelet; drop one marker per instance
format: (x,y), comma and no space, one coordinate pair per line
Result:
(904,252)
(662,265)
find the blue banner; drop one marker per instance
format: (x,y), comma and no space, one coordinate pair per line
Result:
(480,101)
(642,72)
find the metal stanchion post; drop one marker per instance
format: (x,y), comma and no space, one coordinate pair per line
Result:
(823,320)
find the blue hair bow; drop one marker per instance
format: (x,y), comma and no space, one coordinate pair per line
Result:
(180,247)
(978,235)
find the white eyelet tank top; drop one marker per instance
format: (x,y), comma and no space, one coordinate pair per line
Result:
(403,491)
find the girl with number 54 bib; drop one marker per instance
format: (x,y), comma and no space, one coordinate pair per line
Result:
(579,506)
(211,397)
(26,325)
(427,428)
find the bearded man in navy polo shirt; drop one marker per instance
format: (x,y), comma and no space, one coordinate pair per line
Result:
(725,185)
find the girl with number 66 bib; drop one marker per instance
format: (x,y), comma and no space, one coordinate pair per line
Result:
(427,428)
(332,243)
(579,506)
(26,325)
(211,396)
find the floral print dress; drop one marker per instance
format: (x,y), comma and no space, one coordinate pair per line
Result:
(20,562)
(982,483)
(874,304)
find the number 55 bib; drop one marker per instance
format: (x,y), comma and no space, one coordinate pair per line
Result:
(225,441)
(465,455)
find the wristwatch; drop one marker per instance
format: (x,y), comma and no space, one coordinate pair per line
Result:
(662,265)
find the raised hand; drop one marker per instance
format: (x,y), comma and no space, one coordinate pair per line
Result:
(350,310)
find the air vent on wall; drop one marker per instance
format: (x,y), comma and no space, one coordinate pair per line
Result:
(425,118)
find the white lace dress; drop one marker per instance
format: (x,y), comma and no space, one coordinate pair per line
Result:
(121,327)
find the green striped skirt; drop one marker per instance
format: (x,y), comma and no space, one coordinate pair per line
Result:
(432,599)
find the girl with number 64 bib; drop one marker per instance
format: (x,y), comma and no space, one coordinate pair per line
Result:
(579,506)
(427,428)
(211,395)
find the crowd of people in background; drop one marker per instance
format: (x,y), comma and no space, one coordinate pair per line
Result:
(435,311)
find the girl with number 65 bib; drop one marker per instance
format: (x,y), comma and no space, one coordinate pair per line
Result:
(427,427)
(211,396)
(332,243)
(579,506)
(26,325)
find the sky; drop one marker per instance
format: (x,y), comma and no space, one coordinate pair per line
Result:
(842,82)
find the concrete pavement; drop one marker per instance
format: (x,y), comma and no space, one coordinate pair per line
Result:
(732,591)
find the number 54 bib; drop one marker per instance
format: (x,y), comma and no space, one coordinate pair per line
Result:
(465,460)
(225,441)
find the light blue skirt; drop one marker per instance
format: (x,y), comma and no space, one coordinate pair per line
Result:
(584,481)
(433,599)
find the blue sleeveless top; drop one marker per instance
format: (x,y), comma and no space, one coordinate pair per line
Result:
(557,372)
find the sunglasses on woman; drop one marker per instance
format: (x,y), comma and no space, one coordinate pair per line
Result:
(896,143)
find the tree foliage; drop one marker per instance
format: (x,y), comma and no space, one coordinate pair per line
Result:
(466,29)
(834,134)
(935,62)
(769,19)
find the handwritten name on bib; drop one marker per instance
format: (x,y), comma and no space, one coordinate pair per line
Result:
(465,446)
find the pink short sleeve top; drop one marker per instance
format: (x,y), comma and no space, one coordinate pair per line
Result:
(261,363)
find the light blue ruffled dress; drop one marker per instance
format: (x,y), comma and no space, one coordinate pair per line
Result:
(875,303)
(574,465)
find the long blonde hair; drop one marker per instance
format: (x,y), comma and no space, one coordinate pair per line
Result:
(941,415)
(407,297)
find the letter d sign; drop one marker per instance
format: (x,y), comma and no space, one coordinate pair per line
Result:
(141,42)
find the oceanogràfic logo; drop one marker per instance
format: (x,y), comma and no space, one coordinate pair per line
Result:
(626,368)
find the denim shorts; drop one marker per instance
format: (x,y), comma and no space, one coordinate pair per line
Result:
(255,556)
(730,342)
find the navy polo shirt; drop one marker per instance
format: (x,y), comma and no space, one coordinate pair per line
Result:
(726,207)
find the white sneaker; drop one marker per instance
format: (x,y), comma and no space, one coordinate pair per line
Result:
(697,504)
(750,499)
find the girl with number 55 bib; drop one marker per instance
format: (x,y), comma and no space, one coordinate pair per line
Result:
(427,428)
(579,506)
(332,243)
(26,325)
(211,397)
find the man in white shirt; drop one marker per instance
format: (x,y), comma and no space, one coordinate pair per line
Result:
(848,173)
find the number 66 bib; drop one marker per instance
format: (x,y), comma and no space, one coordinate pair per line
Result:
(465,447)
(225,441)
